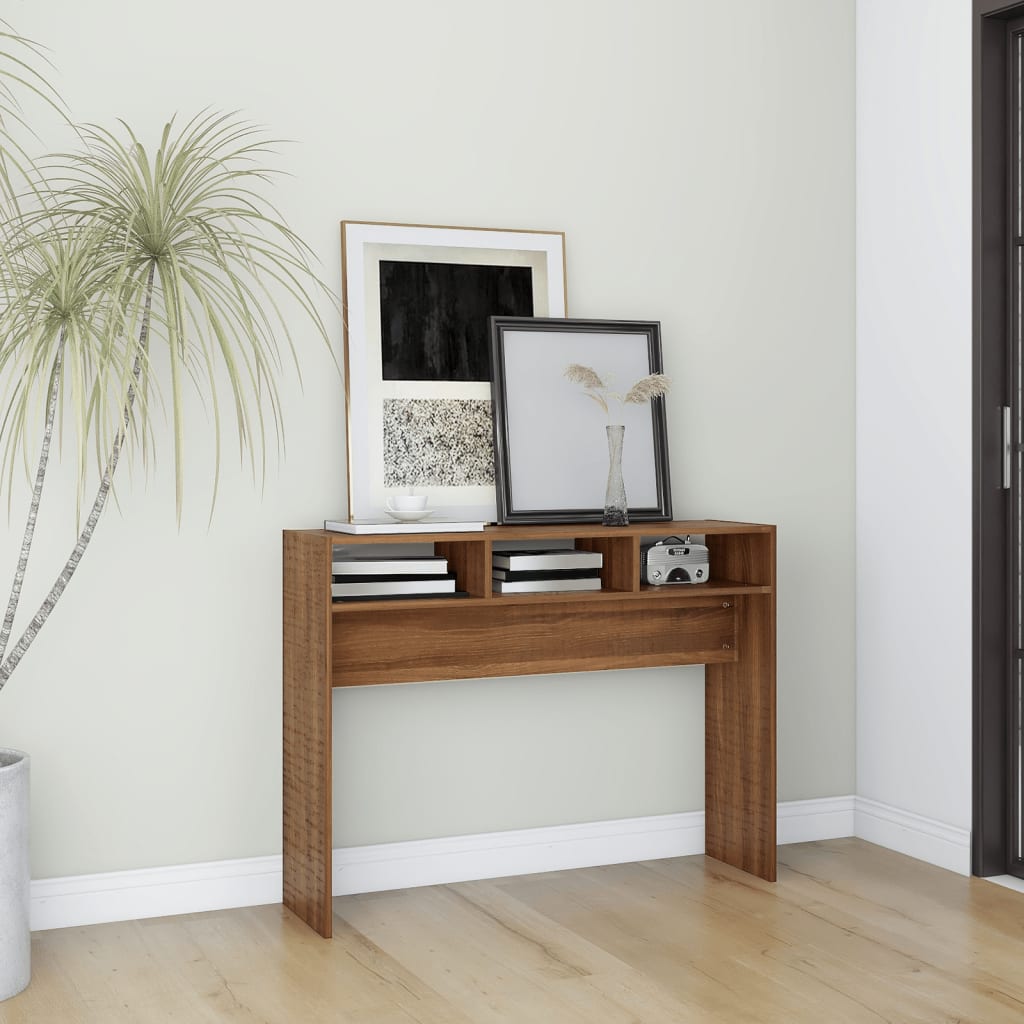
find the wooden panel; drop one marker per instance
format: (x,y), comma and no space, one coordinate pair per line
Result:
(739,738)
(307,729)
(621,570)
(471,563)
(748,558)
(555,532)
(410,644)
(680,594)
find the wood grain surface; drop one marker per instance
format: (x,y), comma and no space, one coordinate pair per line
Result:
(740,725)
(556,531)
(306,713)
(727,624)
(621,555)
(411,644)
(471,563)
(850,934)
(750,558)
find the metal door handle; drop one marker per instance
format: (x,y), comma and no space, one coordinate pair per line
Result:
(1007,447)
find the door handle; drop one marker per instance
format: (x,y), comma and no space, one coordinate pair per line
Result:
(1007,447)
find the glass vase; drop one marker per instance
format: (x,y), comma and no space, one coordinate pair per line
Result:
(615,509)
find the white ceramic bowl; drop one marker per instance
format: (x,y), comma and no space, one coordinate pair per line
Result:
(410,515)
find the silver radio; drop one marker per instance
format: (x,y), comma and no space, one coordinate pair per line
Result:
(674,560)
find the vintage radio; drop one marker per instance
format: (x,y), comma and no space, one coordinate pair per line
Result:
(674,560)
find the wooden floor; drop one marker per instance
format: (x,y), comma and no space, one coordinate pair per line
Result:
(850,932)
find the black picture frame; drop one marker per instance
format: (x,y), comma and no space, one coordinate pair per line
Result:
(551,458)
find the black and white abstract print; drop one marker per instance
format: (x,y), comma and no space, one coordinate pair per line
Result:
(434,317)
(438,443)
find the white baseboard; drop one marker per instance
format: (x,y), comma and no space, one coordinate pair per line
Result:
(1006,881)
(804,821)
(154,892)
(924,838)
(519,852)
(191,888)
(526,851)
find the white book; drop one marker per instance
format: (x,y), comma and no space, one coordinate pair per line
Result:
(428,525)
(521,560)
(363,587)
(366,565)
(544,586)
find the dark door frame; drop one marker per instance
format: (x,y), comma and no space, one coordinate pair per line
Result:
(991,314)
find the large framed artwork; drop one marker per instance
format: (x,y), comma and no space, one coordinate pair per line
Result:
(418,299)
(551,438)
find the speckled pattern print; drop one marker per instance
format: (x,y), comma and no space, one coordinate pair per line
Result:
(438,443)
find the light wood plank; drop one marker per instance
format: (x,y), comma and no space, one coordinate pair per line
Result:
(849,934)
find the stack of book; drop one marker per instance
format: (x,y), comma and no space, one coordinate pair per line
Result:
(380,577)
(535,572)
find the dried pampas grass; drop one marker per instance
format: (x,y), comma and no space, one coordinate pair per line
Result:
(583,375)
(652,386)
(648,387)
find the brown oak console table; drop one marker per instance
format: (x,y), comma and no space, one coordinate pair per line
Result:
(727,624)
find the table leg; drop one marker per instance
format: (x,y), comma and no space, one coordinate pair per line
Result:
(307,839)
(739,735)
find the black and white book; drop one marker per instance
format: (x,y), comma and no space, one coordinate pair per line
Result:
(551,584)
(384,584)
(526,575)
(394,565)
(522,560)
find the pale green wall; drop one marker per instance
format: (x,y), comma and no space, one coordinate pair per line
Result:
(699,157)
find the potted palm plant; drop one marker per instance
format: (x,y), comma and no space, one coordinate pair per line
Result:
(128,277)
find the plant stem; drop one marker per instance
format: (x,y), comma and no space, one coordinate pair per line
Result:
(37,491)
(64,578)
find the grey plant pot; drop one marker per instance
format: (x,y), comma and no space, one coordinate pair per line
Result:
(15,937)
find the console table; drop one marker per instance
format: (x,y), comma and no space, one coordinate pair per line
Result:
(727,624)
